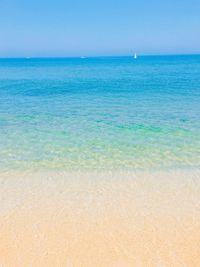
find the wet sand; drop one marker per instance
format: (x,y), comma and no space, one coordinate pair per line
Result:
(100,219)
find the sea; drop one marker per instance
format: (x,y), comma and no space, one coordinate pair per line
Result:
(100,113)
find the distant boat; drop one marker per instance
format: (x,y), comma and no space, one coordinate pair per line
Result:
(135,56)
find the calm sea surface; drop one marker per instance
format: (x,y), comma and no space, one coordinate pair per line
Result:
(100,113)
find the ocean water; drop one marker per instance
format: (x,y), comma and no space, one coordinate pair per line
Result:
(100,113)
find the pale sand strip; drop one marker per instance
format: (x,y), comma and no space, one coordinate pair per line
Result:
(100,219)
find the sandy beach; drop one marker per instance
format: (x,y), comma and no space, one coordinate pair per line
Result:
(99,133)
(100,219)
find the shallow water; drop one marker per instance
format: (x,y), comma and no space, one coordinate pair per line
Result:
(100,113)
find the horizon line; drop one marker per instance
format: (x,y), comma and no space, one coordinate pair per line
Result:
(99,56)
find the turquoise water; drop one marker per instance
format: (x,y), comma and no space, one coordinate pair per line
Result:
(100,113)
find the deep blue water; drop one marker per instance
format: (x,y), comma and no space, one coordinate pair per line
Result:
(100,113)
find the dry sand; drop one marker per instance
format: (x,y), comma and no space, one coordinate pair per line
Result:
(100,219)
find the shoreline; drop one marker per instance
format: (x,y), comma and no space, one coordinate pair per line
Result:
(124,218)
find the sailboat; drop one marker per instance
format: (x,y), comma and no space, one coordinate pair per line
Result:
(135,56)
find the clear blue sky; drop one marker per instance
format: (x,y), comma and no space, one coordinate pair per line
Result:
(98,27)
